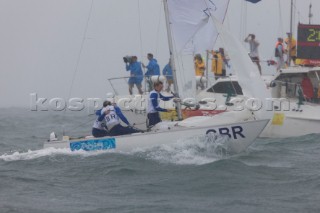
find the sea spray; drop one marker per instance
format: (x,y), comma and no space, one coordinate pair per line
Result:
(193,151)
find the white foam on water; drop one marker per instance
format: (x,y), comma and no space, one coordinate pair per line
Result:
(192,151)
(34,154)
(196,151)
(274,164)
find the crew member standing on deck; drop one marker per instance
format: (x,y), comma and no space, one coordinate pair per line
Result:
(153,104)
(136,74)
(167,71)
(152,69)
(291,48)
(254,54)
(279,54)
(199,68)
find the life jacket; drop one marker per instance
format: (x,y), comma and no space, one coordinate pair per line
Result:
(217,63)
(276,51)
(199,67)
(293,46)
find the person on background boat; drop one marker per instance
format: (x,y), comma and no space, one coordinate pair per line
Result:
(153,104)
(291,49)
(254,53)
(99,126)
(199,68)
(167,71)
(279,54)
(136,74)
(111,114)
(152,69)
(219,63)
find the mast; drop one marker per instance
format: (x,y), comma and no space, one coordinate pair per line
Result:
(172,63)
(290,37)
(207,65)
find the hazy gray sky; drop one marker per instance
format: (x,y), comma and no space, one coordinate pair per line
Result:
(40,41)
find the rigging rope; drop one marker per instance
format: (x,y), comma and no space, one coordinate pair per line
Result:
(243,20)
(81,48)
(158,30)
(141,44)
(294,18)
(280,29)
(79,57)
(78,126)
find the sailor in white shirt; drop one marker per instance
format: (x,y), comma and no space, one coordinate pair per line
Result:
(112,116)
(99,125)
(254,53)
(153,104)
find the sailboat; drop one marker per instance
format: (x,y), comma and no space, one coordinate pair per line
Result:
(296,112)
(238,135)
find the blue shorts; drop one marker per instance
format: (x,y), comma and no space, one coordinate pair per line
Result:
(153,119)
(135,80)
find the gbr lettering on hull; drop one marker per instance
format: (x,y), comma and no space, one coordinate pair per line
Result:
(234,132)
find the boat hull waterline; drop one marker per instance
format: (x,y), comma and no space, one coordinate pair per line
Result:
(240,136)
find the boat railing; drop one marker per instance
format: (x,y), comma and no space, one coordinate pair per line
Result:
(119,85)
(295,90)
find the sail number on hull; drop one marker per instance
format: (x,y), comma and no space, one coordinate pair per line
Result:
(232,132)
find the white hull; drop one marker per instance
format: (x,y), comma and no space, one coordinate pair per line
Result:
(291,121)
(294,123)
(240,136)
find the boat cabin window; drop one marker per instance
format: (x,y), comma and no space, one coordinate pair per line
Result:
(226,87)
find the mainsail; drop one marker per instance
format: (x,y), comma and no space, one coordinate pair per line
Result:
(248,74)
(192,32)
(191,23)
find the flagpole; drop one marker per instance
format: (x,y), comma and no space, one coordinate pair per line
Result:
(207,69)
(172,62)
(290,37)
(310,13)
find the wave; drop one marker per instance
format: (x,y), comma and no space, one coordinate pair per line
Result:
(48,152)
(192,151)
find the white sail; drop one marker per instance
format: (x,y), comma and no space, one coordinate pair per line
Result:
(185,74)
(192,32)
(191,23)
(248,74)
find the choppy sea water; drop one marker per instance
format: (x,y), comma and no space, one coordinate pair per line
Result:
(273,175)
